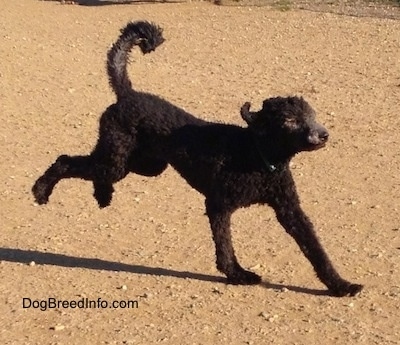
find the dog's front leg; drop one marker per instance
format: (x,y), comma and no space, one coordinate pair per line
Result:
(297,224)
(226,260)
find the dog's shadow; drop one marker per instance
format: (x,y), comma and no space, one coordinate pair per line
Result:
(117,2)
(61,260)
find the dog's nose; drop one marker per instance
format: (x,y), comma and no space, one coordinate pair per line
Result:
(324,135)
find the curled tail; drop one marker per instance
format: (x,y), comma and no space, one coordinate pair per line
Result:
(146,35)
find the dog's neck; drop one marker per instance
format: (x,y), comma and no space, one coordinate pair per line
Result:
(270,167)
(270,160)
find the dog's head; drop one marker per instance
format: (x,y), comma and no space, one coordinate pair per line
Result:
(287,121)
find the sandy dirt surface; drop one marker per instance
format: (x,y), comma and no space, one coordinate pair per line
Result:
(153,245)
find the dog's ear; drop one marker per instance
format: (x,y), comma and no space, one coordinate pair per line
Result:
(246,114)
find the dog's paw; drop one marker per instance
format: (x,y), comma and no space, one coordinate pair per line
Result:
(103,201)
(40,193)
(244,277)
(103,194)
(103,204)
(347,289)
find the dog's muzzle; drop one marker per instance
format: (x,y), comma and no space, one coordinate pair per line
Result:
(317,138)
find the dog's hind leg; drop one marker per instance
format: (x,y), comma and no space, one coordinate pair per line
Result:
(64,167)
(226,259)
(83,167)
(111,158)
(107,164)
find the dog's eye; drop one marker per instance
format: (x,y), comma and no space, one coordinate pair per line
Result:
(291,123)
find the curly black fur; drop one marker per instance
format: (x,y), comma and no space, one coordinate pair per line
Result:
(231,166)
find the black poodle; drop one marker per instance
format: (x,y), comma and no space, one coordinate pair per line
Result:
(231,166)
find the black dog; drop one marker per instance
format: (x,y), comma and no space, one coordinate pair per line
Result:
(231,166)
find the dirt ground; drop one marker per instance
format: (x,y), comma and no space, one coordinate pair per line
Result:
(153,245)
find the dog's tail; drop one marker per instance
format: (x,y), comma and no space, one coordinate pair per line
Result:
(146,35)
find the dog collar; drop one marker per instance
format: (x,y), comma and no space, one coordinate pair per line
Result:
(270,167)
